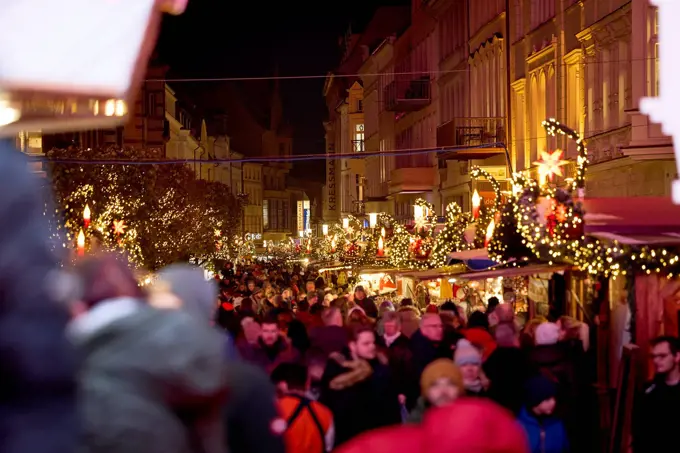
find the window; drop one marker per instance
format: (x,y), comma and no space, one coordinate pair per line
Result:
(358,142)
(265,214)
(360,105)
(151,104)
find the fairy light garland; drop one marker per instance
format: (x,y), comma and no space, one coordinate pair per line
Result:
(477,173)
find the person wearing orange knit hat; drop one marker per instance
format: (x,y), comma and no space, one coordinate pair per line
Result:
(471,425)
(440,384)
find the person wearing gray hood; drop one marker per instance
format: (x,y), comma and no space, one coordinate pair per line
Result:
(152,379)
(250,417)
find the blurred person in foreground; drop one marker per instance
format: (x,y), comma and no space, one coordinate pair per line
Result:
(38,391)
(441,384)
(249,415)
(545,430)
(150,377)
(470,425)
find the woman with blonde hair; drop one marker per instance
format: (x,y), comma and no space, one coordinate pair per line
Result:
(527,338)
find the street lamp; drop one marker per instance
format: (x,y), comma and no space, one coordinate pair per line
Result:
(373,219)
(324,229)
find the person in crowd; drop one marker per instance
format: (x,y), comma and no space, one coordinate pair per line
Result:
(357,387)
(332,336)
(357,316)
(527,338)
(448,312)
(469,359)
(440,384)
(398,349)
(303,314)
(656,415)
(298,336)
(545,430)
(309,424)
(507,368)
(313,298)
(271,348)
(491,306)
(38,397)
(366,303)
(410,320)
(477,332)
(427,343)
(472,425)
(552,358)
(119,334)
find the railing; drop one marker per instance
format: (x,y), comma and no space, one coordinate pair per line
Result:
(471,132)
(358,146)
(408,95)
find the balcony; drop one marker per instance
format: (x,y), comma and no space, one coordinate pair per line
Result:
(484,137)
(408,95)
(358,146)
(412,180)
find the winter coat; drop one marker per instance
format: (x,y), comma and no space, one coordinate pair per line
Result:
(656,417)
(368,306)
(151,381)
(250,411)
(401,366)
(545,436)
(360,394)
(423,352)
(328,339)
(269,357)
(38,392)
(507,370)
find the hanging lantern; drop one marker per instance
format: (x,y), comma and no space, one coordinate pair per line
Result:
(86,216)
(476,204)
(418,212)
(80,243)
(372,219)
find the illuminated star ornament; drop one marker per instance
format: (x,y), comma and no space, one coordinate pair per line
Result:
(119,227)
(550,165)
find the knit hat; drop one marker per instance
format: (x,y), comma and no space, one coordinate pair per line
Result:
(440,368)
(538,389)
(467,354)
(547,333)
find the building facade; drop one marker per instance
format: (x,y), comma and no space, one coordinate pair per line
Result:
(475,82)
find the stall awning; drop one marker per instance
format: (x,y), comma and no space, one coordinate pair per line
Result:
(647,218)
(476,254)
(532,269)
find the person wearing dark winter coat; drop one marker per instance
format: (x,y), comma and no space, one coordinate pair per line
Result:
(397,347)
(428,344)
(366,303)
(38,393)
(545,431)
(332,336)
(357,388)
(271,349)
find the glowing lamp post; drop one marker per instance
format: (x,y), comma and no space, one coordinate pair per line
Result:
(86,216)
(80,243)
(324,229)
(476,203)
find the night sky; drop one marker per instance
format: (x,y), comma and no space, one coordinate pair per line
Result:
(220,38)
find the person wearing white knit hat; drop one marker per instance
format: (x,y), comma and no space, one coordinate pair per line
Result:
(547,333)
(469,360)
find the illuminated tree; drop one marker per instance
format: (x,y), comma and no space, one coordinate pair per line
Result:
(157,213)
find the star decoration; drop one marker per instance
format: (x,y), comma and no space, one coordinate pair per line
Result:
(561,213)
(119,227)
(550,165)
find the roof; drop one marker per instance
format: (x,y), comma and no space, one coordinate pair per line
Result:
(632,215)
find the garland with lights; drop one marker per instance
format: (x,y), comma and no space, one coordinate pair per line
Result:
(477,173)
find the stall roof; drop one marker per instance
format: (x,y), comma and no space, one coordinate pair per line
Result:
(476,254)
(634,220)
(531,269)
(461,272)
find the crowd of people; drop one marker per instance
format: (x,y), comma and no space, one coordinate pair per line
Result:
(277,360)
